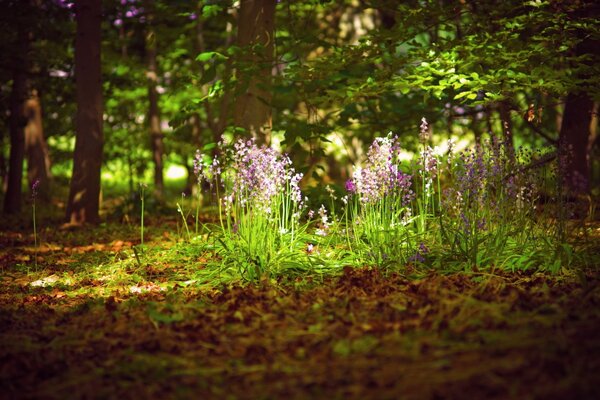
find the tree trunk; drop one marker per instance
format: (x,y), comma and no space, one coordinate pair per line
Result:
(156,136)
(256,36)
(3,166)
(17,122)
(573,142)
(593,129)
(38,160)
(576,128)
(84,194)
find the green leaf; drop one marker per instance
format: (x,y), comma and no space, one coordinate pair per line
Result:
(209,55)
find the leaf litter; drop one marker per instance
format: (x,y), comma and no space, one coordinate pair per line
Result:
(101,326)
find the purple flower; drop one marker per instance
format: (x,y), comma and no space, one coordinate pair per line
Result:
(420,254)
(350,186)
(325,224)
(260,174)
(34,188)
(198,165)
(381,174)
(424,134)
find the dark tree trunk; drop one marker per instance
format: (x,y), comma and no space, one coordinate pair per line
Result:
(17,123)
(573,142)
(156,136)
(38,160)
(576,128)
(84,194)
(256,25)
(593,129)
(3,166)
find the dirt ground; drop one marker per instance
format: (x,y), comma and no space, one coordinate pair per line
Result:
(362,334)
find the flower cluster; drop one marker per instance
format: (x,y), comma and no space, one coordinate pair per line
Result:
(260,174)
(35,188)
(325,224)
(424,134)
(381,175)
(487,181)
(420,254)
(208,172)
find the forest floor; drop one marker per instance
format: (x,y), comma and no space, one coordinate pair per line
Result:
(87,321)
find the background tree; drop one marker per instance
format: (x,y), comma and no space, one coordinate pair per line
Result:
(576,139)
(256,39)
(329,79)
(17,117)
(38,159)
(84,194)
(154,123)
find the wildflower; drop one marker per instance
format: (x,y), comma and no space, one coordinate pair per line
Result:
(331,192)
(481,224)
(261,174)
(424,134)
(429,161)
(324,217)
(325,225)
(350,186)
(34,188)
(381,175)
(420,254)
(198,165)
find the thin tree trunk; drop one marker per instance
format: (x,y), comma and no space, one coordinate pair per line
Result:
(156,135)
(84,195)
(252,109)
(3,166)
(38,160)
(17,122)
(593,129)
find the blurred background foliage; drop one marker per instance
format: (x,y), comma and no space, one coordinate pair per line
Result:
(339,73)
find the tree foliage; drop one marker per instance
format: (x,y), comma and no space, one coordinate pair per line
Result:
(342,72)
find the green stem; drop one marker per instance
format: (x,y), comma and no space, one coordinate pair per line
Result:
(35,237)
(197,210)
(142,219)
(183,217)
